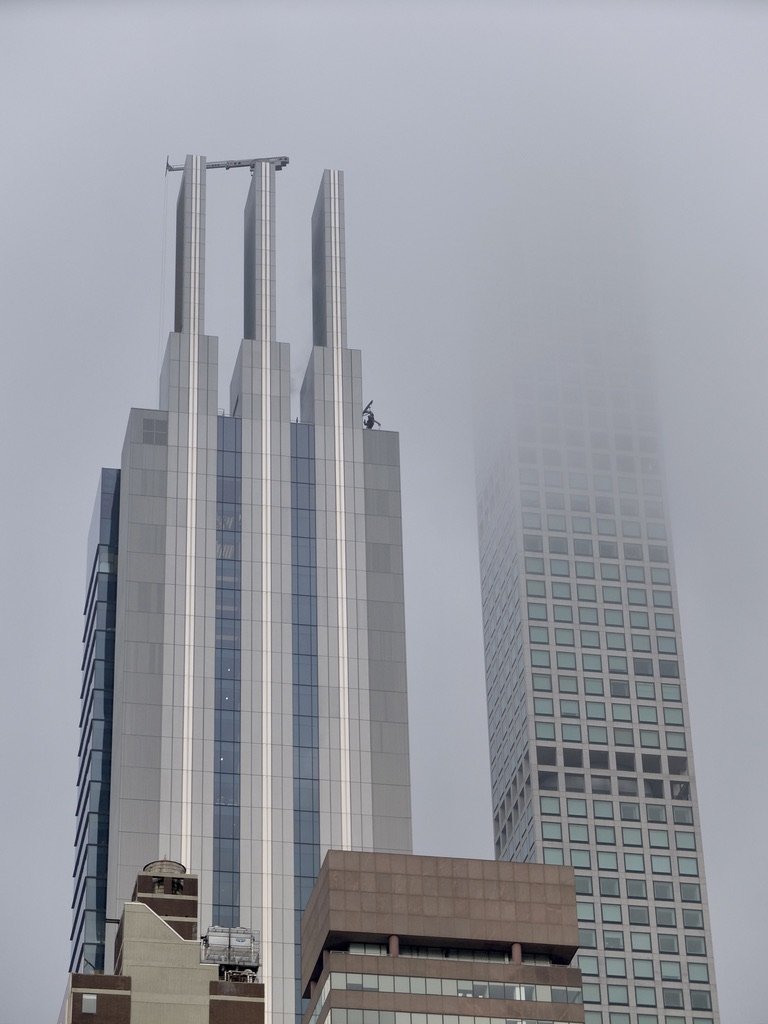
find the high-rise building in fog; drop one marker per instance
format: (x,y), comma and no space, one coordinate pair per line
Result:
(590,742)
(244,683)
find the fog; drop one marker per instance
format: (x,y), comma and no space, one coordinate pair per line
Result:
(508,165)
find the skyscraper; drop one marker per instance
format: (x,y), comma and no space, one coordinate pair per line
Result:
(590,740)
(244,684)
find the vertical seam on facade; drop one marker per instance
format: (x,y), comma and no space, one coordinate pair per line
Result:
(191,525)
(341,539)
(266,673)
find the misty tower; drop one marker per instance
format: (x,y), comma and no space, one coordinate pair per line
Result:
(591,761)
(244,679)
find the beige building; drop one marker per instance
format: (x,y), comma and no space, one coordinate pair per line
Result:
(398,939)
(163,973)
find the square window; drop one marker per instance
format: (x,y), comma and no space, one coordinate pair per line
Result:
(658,838)
(618,995)
(700,999)
(616,967)
(551,830)
(588,964)
(698,973)
(607,860)
(606,834)
(612,939)
(642,968)
(667,943)
(549,804)
(621,712)
(609,887)
(670,970)
(645,996)
(586,592)
(666,917)
(639,915)
(690,892)
(89,1002)
(629,812)
(688,865)
(675,740)
(593,686)
(636,888)
(693,919)
(685,840)
(695,945)
(663,891)
(673,998)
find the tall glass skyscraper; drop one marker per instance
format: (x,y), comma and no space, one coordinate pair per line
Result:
(244,680)
(590,743)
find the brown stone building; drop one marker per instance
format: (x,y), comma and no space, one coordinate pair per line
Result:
(398,939)
(163,973)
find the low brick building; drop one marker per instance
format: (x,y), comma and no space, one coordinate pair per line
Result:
(399,939)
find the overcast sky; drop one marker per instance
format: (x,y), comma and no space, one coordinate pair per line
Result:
(485,145)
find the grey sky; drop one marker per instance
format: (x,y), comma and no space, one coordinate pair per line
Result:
(492,150)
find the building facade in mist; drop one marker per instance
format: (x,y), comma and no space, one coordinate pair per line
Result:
(590,744)
(244,682)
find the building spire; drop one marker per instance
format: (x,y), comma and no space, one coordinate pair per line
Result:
(190,248)
(329,288)
(259,238)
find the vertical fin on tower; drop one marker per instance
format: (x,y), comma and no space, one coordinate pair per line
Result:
(329,289)
(259,234)
(190,248)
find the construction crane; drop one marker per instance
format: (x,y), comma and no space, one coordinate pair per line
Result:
(278,162)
